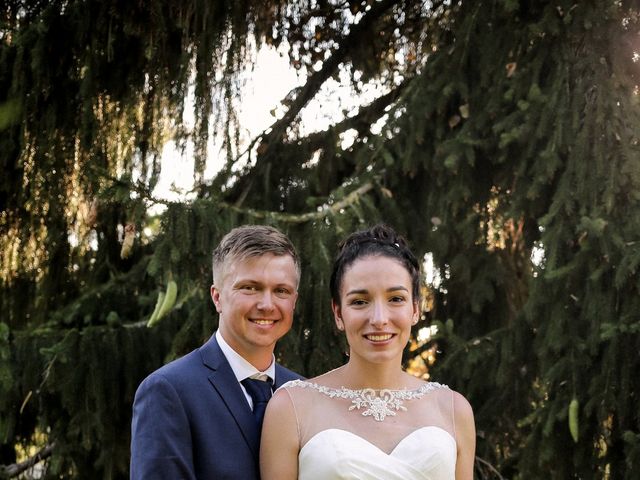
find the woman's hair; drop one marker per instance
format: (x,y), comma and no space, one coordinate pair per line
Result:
(380,240)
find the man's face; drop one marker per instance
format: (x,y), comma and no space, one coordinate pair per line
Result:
(255,302)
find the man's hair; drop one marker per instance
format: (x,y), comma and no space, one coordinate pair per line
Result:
(249,241)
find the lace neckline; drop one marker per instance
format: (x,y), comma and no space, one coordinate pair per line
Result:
(375,403)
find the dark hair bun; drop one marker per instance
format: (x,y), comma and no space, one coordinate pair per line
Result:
(381,234)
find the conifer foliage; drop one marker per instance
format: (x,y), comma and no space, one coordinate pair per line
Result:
(501,140)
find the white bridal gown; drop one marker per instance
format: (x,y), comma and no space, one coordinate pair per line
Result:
(367,435)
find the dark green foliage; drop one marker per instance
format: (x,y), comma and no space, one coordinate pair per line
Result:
(510,133)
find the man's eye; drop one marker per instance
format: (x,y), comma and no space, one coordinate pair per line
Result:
(250,288)
(282,292)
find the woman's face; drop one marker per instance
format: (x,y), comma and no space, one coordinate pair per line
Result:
(376,309)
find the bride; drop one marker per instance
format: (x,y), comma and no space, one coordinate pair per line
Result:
(369,419)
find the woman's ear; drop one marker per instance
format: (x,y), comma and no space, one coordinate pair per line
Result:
(416,313)
(337,315)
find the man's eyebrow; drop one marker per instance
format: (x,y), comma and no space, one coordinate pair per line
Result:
(250,281)
(245,281)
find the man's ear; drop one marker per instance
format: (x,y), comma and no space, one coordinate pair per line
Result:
(337,315)
(215,296)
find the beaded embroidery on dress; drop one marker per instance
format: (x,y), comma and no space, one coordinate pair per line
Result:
(374,434)
(379,405)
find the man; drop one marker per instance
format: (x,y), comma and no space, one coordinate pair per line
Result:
(193,418)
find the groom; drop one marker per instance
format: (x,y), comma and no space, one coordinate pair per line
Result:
(199,417)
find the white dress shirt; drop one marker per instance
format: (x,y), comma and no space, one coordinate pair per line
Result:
(243,369)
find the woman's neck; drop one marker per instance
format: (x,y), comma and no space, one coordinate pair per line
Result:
(358,375)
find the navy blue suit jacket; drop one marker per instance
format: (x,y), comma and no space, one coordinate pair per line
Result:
(191,420)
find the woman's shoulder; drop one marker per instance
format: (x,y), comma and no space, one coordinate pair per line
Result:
(310,385)
(297,396)
(462,407)
(453,402)
(434,387)
(456,399)
(293,383)
(299,383)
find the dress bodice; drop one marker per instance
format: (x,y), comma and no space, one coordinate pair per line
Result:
(368,434)
(428,453)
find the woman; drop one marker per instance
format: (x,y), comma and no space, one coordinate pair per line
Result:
(369,419)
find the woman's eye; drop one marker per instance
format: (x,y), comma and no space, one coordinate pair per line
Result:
(397,299)
(358,302)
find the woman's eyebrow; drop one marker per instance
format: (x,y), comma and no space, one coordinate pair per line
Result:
(357,291)
(399,287)
(363,291)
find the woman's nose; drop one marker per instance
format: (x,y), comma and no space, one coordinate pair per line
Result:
(378,315)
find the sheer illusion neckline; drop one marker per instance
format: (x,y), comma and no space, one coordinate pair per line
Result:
(378,404)
(344,392)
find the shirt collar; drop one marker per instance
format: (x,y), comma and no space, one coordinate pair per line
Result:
(241,368)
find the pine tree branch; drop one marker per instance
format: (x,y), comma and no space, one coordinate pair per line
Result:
(486,465)
(302,95)
(325,211)
(259,214)
(360,122)
(15,469)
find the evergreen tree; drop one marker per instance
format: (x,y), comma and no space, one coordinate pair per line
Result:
(502,142)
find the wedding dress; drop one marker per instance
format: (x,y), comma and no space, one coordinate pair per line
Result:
(381,434)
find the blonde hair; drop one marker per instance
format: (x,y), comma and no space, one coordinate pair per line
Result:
(251,241)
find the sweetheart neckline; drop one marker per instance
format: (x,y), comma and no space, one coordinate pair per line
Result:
(388,454)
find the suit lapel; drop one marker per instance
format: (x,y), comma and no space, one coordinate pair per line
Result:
(223,380)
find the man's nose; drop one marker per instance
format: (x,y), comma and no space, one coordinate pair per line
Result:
(266,301)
